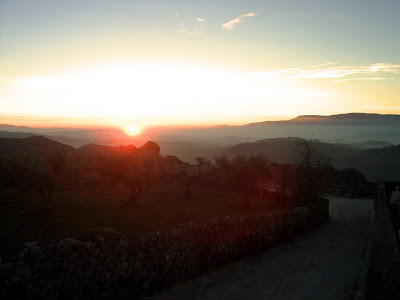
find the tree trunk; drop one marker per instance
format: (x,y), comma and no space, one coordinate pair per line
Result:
(42,194)
(245,199)
(46,197)
(188,193)
(133,197)
(49,197)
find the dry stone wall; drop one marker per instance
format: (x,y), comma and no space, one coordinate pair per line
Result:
(383,279)
(130,265)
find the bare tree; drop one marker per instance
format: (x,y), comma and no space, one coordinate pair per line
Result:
(201,160)
(57,161)
(144,169)
(26,172)
(312,164)
(243,173)
(186,180)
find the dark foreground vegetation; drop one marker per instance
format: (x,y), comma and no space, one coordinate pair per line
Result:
(125,266)
(49,190)
(110,216)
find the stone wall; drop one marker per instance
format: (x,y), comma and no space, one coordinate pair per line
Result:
(383,281)
(123,266)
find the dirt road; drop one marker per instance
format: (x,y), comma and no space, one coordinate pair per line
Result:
(323,264)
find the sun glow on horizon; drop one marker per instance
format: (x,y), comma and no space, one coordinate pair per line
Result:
(132,129)
(160,93)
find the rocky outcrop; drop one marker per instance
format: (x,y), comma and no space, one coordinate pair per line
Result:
(152,147)
(123,266)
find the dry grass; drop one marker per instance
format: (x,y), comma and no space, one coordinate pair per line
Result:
(76,213)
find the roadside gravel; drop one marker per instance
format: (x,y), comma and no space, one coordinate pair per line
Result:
(328,263)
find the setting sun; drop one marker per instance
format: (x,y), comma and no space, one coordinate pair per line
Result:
(132,129)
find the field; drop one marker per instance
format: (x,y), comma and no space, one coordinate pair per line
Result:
(80,212)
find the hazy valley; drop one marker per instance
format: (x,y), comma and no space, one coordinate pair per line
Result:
(366,142)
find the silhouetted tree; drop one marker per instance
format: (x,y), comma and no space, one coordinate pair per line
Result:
(312,171)
(201,160)
(286,179)
(72,175)
(186,181)
(354,181)
(243,173)
(144,169)
(57,161)
(222,168)
(26,172)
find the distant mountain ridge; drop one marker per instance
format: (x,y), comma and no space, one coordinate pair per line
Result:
(353,129)
(347,117)
(302,118)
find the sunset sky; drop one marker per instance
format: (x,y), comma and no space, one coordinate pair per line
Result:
(148,62)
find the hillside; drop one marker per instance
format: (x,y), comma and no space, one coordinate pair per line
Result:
(372,144)
(15,135)
(277,150)
(38,145)
(43,146)
(348,132)
(375,163)
(378,163)
(383,163)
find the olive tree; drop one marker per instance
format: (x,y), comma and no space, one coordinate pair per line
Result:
(143,170)
(313,165)
(26,172)
(243,172)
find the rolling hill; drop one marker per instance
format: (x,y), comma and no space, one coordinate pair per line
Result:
(376,163)
(37,145)
(343,137)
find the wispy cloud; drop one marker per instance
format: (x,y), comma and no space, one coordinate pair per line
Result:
(326,64)
(201,20)
(363,78)
(196,29)
(232,23)
(316,72)
(191,32)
